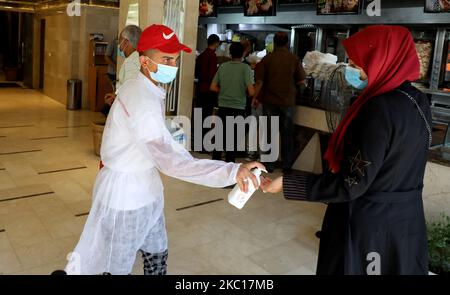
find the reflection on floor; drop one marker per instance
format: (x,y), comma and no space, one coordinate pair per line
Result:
(46,178)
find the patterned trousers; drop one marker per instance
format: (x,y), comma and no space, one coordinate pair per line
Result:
(155,264)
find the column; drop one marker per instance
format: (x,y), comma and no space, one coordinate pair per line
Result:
(186,93)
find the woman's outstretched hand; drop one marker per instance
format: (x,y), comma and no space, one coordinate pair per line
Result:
(272,186)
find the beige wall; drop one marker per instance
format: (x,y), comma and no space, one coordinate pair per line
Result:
(36,52)
(57,57)
(151,12)
(66,47)
(186,94)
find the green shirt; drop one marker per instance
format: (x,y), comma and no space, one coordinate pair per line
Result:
(233,78)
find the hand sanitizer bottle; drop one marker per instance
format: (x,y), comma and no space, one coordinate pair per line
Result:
(237,197)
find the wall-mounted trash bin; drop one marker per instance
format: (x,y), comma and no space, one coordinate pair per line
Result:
(74,94)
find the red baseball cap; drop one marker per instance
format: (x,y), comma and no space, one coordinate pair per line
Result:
(161,38)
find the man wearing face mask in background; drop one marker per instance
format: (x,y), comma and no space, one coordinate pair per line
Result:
(127,213)
(126,48)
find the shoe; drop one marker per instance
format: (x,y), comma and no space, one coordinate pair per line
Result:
(59,273)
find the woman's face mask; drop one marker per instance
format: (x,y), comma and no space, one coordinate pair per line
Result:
(164,73)
(353,75)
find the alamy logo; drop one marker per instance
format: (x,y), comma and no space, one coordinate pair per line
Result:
(374,266)
(374,8)
(74,8)
(234,133)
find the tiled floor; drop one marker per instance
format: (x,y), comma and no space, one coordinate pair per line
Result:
(269,236)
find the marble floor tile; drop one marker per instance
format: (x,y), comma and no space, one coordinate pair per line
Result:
(5,245)
(26,231)
(217,258)
(45,269)
(283,257)
(64,226)
(24,191)
(16,210)
(58,166)
(9,262)
(6,182)
(79,207)
(41,253)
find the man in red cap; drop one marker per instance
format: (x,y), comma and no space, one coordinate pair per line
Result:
(127,211)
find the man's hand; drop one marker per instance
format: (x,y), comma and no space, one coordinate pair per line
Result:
(244,173)
(272,186)
(109,98)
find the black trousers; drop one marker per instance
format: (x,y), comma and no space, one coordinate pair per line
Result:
(286,117)
(230,154)
(207,101)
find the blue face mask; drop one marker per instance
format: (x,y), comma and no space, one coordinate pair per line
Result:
(164,74)
(353,75)
(121,53)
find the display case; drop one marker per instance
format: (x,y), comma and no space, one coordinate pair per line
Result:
(332,41)
(424,40)
(323,38)
(305,38)
(98,82)
(438,87)
(439,94)
(97,51)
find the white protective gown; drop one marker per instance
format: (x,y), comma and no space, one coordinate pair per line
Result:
(127,210)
